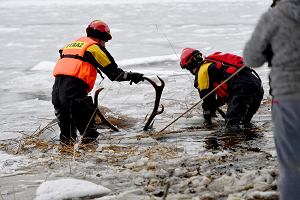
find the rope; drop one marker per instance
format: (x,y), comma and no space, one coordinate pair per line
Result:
(172,47)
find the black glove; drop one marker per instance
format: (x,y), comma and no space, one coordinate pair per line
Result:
(135,77)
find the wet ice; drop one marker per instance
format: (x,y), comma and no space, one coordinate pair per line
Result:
(146,38)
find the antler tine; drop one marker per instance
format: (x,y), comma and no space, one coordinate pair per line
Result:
(96,96)
(162,82)
(110,125)
(158,92)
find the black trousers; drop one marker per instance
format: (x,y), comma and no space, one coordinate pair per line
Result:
(245,95)
(74,109)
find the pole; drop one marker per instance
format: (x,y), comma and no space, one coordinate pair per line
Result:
(232,75)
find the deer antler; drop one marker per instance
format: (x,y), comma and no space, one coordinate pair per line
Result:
(158,92)
(104,120)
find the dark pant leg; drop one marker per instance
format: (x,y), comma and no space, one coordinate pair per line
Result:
(75,107)
(237,107)
(253,107)
(67,128)
(241,109)
(256,97)
(245,96)
(82,110)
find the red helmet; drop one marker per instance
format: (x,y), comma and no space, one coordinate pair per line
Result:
(98,29)
(190,58)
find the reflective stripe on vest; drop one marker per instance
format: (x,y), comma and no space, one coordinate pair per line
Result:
(70,65)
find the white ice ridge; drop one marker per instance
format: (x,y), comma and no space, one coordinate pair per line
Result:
(49,66)
(20,3)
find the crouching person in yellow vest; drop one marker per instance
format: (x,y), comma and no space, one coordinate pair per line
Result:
(75,75)
(242,93)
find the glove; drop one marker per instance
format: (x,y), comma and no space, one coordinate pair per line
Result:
(135,77)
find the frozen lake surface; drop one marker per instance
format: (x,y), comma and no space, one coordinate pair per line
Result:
(148,36)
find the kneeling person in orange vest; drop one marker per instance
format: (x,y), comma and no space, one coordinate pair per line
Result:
(75,75)
(243,92)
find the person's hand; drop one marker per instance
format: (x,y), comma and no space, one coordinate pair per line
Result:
(135,77)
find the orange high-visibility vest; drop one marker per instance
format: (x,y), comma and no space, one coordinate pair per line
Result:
(72,62)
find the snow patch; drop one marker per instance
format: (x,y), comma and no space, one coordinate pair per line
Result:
(68,188)
(263,195)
